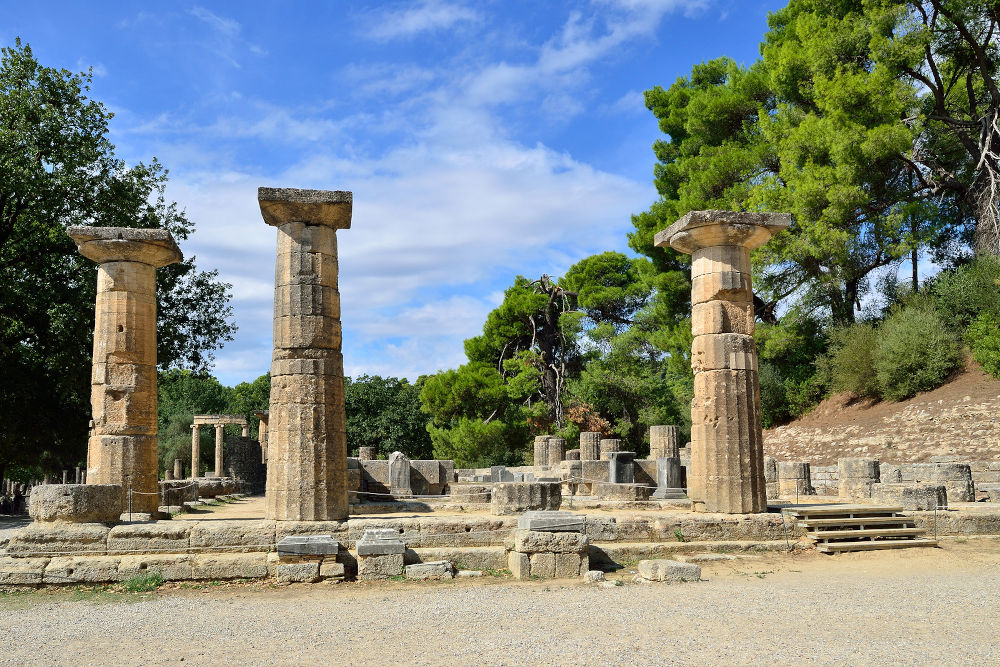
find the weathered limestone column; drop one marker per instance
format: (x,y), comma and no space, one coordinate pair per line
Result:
(195,450)
(590,446)
(307,442)
(664,442)
(122,446)
(609,445)
(246,431)
(367,453)
(557,451)
(178,469)
(542,450)
(727,456)
(220,430)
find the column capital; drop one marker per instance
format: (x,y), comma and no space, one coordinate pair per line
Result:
(155,247)
(706,229)
(330,208)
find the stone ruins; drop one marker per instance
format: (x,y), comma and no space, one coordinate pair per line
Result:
(727,453)
(573,512)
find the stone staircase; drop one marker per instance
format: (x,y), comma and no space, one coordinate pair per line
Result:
(839,528)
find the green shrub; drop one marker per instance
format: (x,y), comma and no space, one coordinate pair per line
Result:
(915,352)
(144,583)
(961,294)
(852,360)
(984,338)
(773,401)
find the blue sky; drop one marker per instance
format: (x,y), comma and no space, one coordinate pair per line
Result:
(481,140)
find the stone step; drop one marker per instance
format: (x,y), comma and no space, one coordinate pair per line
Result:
(859,521)
(875,532)
(866,545)
(843,510)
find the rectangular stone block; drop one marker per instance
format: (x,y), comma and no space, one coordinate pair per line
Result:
(567,566)
(229,566)
(308,545)
(330,569)
(232,536)
(161,536)
(382,566)
(82,570)
(552,522)
(172,567)
(734,286)
(519,565)
(543,565)
(530,542)
(63,539)
(298,572)
(22,571)
(517,497)
(724,351)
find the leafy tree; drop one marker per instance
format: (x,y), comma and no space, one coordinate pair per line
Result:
(183,394)
(915,352)
(247,398)
(58,168)
(385,413)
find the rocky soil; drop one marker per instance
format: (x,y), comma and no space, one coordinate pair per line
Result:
(918,606)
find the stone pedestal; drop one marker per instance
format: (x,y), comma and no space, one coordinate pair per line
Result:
(549,545)
(664,442)
(794,479)
(622,467)
(668,478)
(399,475)
(590,446)
(380,554)
(307,440)
(856,477)
(220,431)
(122,448)
(727,457)
(195,450)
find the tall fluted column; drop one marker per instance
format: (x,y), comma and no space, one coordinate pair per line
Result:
(727,456)
(307,440)
(122,445)
(195,450)
(220,430)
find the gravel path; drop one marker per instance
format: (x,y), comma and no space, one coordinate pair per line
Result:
(933,607)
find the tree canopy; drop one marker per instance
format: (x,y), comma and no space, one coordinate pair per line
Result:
(58,168)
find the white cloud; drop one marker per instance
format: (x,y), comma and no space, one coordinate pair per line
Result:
(227,27)
(428,16)
(632,102)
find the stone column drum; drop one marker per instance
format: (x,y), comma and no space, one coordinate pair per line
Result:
(664,442)
(307,438)
(727,457)
(178,469)
(195,450)
(123,443)
(220,430)
(590,446)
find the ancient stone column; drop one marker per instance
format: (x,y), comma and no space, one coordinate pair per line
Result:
(367,453)
(557,451)
(122,446)
(65,479)
(307,440)
(246,431)
(77,477)
(542,450)
(727,457)
(195,450)
(220,430)
(609,445)
(590,446)
(178,469)
(664,442)
(168,475)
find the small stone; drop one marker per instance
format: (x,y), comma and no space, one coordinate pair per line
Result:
(661,569)
(594,576)
(439,569)
(468,574)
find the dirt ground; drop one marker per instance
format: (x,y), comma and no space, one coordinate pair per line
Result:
(915,606)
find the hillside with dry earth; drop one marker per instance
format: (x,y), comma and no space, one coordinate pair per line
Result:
(959,418)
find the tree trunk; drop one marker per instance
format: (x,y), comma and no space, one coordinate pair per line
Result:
(842,303)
